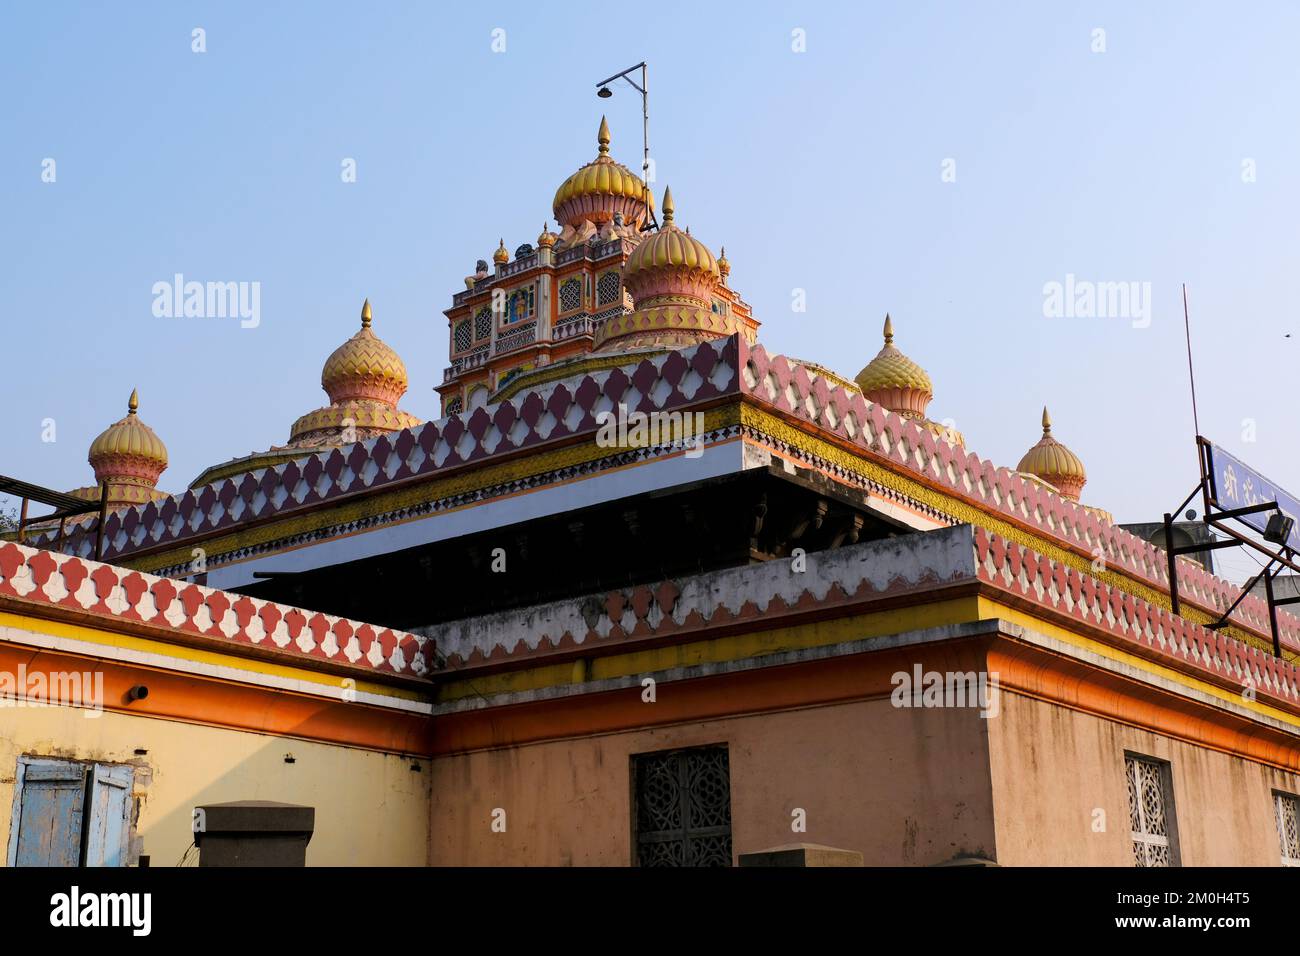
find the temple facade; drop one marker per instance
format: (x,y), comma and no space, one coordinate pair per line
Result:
(783,607)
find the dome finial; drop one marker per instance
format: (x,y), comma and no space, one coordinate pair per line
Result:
(669,206)
(365,314)
(133,403)
(502,255)
(1047,422)
(603,137)
(889,330)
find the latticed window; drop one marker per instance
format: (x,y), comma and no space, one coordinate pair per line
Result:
(571,295)
(461,336)
(454,406)
(1150,818)
(683,807)
(482,323)
(608,288)
(1286,806)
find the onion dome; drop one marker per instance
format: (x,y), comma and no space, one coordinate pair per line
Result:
(1054,463)
(724,266)
(129,457)
(546,239)
(600,189)
(671,276)
(364,379)
(502,255)
(893,380)
(364,367)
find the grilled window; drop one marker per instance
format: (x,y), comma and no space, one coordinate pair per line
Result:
(571,295)
(1150,812)
(609,288)
(461,337)
(454,406)
(482,323)
(1287,808)
(683,807)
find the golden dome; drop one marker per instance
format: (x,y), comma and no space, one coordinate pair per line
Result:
(670,248)
(1054,463)
(547,238)
(502,255)
(129,441)
(724,265)
(364,367)
(600,189)
(895,381)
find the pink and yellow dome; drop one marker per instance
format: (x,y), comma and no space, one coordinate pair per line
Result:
(364,367)
(671,276)
(602,188)
(129,457)
(1054,463)
(893,380)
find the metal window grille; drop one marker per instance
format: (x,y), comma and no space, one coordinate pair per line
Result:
(482,323)
(1148,808)
(609,288)
(683,807)
(571,295)
(461,336)
(454,406)
(1286,806)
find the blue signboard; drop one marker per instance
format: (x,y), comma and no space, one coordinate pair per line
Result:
(1234,484)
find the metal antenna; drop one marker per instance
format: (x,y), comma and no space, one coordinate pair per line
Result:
(1191,375)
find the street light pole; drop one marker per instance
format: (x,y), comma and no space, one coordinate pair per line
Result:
(604,92)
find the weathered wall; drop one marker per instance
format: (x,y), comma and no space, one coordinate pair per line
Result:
(1054,768)
(371,808)
(903,786)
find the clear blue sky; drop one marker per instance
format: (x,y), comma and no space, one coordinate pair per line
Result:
(818,170)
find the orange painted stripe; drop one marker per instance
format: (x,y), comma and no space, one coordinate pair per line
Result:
(218,703)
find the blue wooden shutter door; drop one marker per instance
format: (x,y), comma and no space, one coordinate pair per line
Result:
(109,824)
(47,818)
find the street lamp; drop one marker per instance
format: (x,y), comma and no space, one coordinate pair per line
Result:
(604,92)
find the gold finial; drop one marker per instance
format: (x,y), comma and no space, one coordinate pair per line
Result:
(501,255)
(669,206)
(889,330)
(1047,422)
(603,136)
(365,314)
(133,403)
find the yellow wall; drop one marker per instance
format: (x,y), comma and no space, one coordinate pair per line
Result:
(371,809)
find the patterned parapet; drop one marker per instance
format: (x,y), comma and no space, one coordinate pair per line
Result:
(71,584)
(533,420)
(851,580)
(908,447)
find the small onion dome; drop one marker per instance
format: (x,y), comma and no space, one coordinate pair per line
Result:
(128,453)
(600,189)
(670,251)
(502,255)
(893,380)
(671,276)
(1054,463)
(364,367)
(546,239)
(724,265)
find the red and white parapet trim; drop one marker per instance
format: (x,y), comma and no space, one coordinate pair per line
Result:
(122,596)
